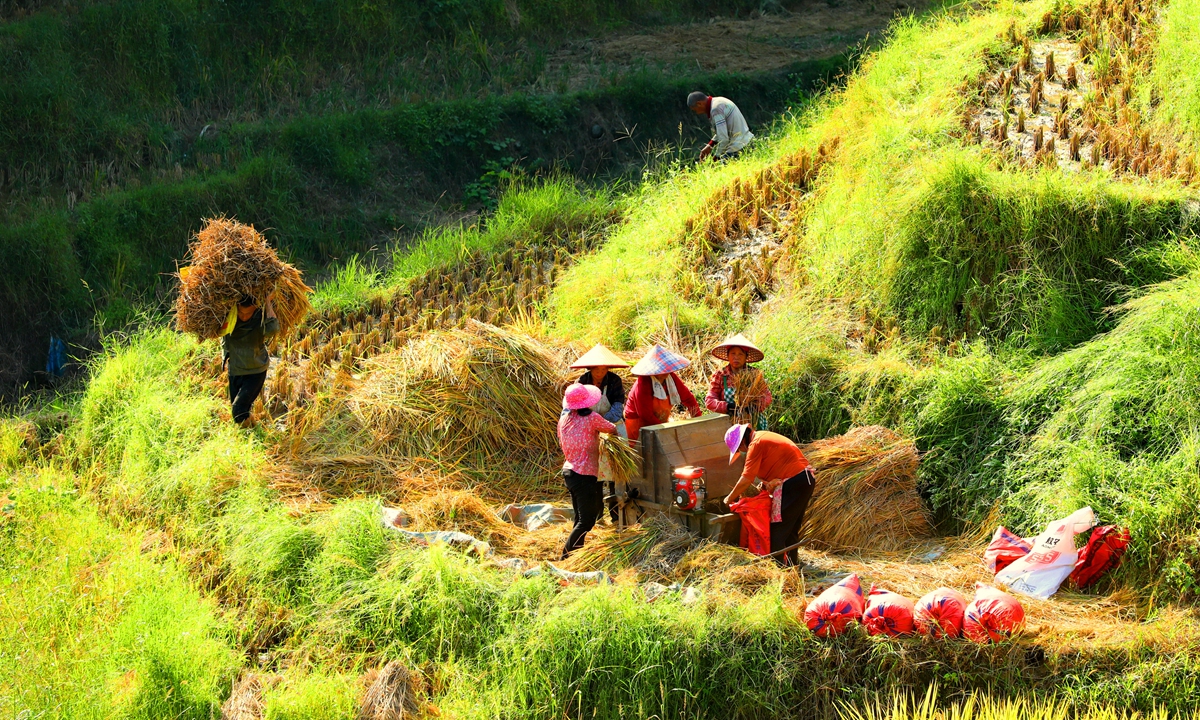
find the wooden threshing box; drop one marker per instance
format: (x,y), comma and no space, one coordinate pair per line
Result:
(699,442)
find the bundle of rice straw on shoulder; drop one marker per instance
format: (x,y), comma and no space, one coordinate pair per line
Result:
(230,260)
(866,494)
(478,393)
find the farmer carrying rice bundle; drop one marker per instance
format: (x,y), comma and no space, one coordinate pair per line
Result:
(596,364)
(233,272)
(738,390)
(579,429)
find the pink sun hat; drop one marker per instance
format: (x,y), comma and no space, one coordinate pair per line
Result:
(578,396)
(733,440)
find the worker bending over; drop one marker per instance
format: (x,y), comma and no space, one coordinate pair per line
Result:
(786,474)
(730,131)
(246,354)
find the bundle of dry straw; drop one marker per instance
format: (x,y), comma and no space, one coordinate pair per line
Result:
(230,260)
(478,395)
(623,462)
(393,692)
(866,495)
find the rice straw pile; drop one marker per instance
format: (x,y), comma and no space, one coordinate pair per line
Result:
(655,546)
(245,701)
(229,260)
(393,692)
(478,395)
(866,495)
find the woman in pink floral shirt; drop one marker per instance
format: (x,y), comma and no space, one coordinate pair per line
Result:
(579,431)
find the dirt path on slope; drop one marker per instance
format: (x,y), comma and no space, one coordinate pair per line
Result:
(806,31)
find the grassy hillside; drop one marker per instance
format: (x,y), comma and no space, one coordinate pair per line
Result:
(1027,320)
(339,129)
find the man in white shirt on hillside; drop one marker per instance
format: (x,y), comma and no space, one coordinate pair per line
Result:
(730,132)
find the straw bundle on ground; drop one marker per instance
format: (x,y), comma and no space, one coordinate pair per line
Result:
(394,694)
(478,394)
(230,260)
(866,495)
(655,547)
(245,702)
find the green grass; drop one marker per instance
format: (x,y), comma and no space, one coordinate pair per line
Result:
(1176,59)
(355,595)
(935,290)
(93,627)
(312,697)
(327,187)
(523,214)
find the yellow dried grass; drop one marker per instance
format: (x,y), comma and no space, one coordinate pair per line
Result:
(866,493)
(478,395)
(465,512)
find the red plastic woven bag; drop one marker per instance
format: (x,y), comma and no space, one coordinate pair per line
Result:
(992,615)
(1004,549)
(888,613)
(756,522)
(940,613)
(1102,553)
(830,612)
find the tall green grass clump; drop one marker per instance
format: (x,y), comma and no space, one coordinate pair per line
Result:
(1030,260)
(1176,74)
(1115,424)
(312,697)
(94,627)
(151,438)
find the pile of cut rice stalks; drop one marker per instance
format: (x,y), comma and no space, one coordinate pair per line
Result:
(866,495)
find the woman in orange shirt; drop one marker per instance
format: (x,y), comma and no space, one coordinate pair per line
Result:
(786,474)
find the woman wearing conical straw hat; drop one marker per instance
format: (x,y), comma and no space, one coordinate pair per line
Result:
(579,429)
(738,390)
(596,365)
(657,390)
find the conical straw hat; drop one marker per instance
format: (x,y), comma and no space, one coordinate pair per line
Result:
(753,354)
(660,361)
(598,356)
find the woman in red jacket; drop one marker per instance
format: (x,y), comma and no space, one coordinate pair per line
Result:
(657,390)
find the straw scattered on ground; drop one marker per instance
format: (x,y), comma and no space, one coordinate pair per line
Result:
(464,512)
(866,495)
(229,260)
